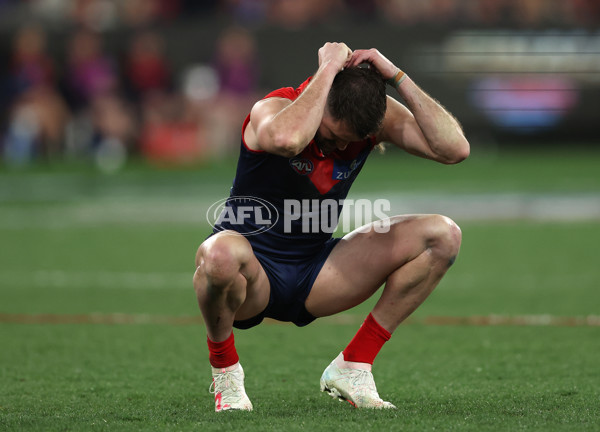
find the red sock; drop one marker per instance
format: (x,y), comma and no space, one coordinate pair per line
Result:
(367,342)
(222,354)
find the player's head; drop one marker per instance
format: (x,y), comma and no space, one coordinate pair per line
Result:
(355,109)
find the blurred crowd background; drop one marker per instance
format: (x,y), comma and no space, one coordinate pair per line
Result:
(170,81)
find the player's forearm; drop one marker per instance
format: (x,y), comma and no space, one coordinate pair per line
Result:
(441,130)
(295,126)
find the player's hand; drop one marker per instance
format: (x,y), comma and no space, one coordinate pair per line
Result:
(385,67)
(337,54)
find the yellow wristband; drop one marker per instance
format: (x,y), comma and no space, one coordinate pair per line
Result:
(397,80)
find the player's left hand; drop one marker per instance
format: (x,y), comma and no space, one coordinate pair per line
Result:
(376,59)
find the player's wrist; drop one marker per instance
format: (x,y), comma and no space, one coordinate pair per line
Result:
(397,79)
(330,68)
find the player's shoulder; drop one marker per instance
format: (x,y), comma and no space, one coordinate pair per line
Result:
(283,93)
(275,101)
(290,93)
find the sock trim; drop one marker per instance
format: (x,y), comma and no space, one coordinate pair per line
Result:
(222,354)
(367,342)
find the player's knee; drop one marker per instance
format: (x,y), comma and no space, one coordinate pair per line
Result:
(443,237)
(220,258)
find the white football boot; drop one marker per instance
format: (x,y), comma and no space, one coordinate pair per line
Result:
(228,388)
(355,386)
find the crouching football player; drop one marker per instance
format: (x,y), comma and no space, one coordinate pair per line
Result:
(307,145)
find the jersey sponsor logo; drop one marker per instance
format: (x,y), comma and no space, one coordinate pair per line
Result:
(342,169)
(302,166)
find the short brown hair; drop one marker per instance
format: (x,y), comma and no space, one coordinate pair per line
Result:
(357,97)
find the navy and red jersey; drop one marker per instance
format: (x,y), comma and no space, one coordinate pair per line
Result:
(268,191)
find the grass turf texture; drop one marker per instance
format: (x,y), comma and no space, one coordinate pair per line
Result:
(156,377)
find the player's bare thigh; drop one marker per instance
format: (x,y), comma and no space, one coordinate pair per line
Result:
(228,257)
(361,262)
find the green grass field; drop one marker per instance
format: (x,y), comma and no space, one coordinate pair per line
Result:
(99,327)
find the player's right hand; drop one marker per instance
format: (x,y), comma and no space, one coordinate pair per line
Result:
(335,53)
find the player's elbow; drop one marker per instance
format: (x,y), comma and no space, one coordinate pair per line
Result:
(286,144)
(277,140)
(289,149)
(460,151)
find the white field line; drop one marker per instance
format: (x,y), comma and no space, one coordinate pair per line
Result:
(192,210)
(56,279)
(169,281)
(486,320)
(136,280)
(95,279)
(342,319)
(499,206)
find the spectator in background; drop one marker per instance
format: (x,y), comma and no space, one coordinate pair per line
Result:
(235,62)
(236,65)
(34,113)
(204,119)
(92,83)
(31,67)
(293,14)
(170,132)
(245,11)
(404,12)
(38,113)
(146,68)
(409,12)
(98,15)
(140,13)
(90,72)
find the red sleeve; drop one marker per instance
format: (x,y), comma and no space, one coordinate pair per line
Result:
(288,92)
(285,92)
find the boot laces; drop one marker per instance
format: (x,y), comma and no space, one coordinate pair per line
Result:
(228,384)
